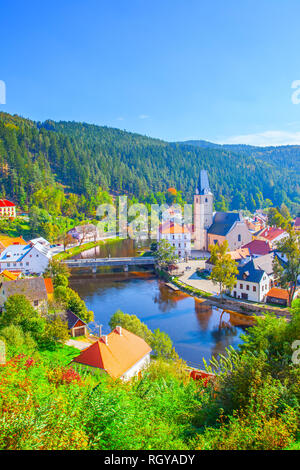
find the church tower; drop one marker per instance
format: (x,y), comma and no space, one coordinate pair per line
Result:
(203,211)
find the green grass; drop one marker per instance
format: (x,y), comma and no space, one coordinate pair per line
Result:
(86,246)
(62,355)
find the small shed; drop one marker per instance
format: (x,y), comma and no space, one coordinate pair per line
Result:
(76,326)
(277,296)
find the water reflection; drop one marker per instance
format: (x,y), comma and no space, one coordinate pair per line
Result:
(117,249)
(197,329)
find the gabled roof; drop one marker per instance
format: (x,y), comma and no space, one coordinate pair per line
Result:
(265,262)
(172,227)
(248,272)
(271,233)
(240,253)
(7,241)
(223,222)
(49,285)
(258,247)
(33,288)
(15,253)
(72,319)
(121,352)
(6,203)
(278,293)
(11,275)
(254,270)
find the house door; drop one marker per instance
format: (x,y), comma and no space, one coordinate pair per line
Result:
(244,296)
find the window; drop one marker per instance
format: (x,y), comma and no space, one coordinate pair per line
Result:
(206,199)
(247,286)
(254,288)
(241,286)
(239,237)
(35,303)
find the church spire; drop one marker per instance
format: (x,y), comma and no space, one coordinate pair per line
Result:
(203,183)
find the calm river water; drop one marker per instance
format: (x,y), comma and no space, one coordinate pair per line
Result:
(196,329)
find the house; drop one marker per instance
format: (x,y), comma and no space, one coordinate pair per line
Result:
(121,354)
(85,233)
(273,235)
(277,296)
(240,256)
(254,279)
(7,241)
(7,209)
(40,240)
(216,227)
(30,259)
(9,275)
(76,326)
(33,288)
(297,224)
(258,247)
(178,236)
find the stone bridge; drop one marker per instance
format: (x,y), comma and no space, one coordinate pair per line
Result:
(94,263)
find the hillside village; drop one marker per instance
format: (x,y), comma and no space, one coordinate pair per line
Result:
(252,245)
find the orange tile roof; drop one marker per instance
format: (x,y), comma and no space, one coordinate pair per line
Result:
(172,227)
(278,293)
(11,275)
(240,253)
(49,285)
(7,241)
(118,356)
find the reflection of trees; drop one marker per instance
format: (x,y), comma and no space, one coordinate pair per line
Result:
(166,299)
(204,312)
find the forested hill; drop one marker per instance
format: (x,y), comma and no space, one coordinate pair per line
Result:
(285,156)
(82,157)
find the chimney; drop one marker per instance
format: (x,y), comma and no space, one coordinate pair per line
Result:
(105,339)
(119,330)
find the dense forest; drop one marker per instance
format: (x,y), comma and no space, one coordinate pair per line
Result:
(79,158)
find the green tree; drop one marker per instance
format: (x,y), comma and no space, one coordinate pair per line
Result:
(225,269)
(165,254)
(72,301)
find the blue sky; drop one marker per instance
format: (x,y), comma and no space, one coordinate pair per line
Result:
(173,69)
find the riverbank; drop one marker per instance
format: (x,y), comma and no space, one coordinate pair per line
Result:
(77,250)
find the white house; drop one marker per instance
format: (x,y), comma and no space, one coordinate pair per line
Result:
(254,279)
(120,354)
(31,258)
(178,236)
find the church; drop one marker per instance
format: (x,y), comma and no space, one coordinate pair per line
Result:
(214,227)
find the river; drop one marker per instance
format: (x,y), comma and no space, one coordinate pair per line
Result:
(197,329)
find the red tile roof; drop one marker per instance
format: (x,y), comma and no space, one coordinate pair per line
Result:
(49,285)
(271,233)
(258,247)
(121,352)
(6,203)
(278,293)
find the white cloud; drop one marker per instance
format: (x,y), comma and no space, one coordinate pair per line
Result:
(267,138)
(143,116)
(120,118)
